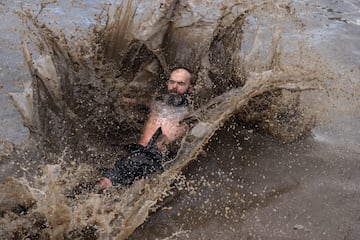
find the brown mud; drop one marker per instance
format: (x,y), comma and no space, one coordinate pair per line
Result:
(251,65)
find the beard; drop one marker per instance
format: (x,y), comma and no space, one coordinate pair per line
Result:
(173,98)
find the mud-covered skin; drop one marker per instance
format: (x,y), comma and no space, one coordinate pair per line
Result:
(146,159)
(167,113)
(168,118)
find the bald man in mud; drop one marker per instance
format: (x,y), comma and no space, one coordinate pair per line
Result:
(162,128)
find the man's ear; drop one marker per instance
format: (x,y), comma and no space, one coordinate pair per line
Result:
(191,88)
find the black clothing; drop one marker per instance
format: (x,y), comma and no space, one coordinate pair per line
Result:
(141,162)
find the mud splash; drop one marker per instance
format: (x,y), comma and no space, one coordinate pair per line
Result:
(246,65)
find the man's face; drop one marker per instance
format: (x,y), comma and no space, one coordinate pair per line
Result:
(179,82)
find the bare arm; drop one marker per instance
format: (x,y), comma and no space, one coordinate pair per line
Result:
(150,127)
(135,101)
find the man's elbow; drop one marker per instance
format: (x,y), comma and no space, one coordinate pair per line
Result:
(143,142)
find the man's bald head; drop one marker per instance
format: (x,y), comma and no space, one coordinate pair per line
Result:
(183,71)
(179,81)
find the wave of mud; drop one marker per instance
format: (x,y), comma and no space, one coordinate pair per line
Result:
(250,61)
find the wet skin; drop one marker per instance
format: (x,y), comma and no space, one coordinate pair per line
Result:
(164,116)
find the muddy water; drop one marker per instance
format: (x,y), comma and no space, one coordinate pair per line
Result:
(246,185)
(72,17)
(13,75)
(261,189)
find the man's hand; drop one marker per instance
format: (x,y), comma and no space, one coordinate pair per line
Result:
(129,100)
(104,183)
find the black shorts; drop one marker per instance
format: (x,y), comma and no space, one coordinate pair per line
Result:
(140,162)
